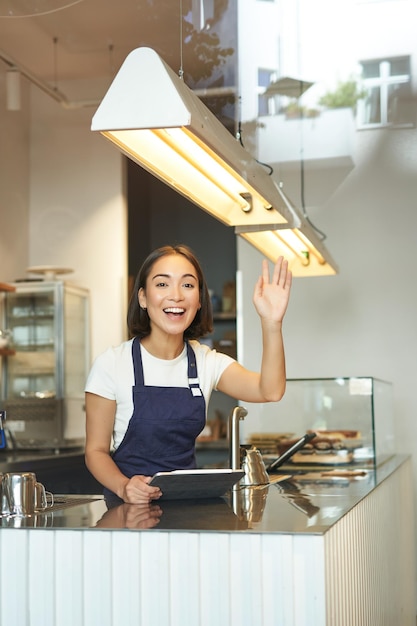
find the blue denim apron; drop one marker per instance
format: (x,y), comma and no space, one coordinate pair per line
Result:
(164,425)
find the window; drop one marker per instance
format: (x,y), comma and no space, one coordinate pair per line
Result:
(265,104)
(388,99)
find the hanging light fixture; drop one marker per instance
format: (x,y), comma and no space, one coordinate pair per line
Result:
(31,8)
(157,121)
(304,251)
(301,246)
(287,86)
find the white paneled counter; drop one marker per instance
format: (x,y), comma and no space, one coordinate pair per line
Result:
(303,552)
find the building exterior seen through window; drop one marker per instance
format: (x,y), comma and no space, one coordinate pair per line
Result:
(266,105)
(388,85)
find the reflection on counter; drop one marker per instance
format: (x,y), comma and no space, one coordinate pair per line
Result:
(249,504)
(322,496)
(174,514)
(55,516)
(302,502)
(294,494)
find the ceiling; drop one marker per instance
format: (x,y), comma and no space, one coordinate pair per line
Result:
(91,38)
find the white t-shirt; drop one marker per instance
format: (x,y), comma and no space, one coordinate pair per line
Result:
(112,376)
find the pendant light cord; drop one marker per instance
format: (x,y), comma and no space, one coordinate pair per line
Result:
(111,64)
(181,70)
(55,42)
(319,232)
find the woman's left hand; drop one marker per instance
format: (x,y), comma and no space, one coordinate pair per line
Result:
(131,516)
(271,296)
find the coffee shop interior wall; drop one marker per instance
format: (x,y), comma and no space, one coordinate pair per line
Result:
(62,203)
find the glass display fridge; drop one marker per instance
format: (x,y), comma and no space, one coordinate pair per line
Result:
(46,364)
(353,419)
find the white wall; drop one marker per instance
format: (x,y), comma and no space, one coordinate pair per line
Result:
(361,322)
(78,212)
(14,184)
(62,204)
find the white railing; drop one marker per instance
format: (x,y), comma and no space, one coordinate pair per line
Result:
(327,137)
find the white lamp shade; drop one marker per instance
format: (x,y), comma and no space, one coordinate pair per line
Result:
(156,120)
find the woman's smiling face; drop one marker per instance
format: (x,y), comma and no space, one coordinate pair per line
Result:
(172,295)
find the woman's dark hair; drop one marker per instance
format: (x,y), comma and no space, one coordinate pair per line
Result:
(138,319)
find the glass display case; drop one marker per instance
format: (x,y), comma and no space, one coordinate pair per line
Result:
(44,371)
(352,418)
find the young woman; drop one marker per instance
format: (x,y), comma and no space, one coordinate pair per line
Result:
(146,399)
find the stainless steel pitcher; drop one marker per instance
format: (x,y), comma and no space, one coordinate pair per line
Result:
(252,463)
(254,468)
(22,495)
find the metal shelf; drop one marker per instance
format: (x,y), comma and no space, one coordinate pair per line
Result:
(225,317)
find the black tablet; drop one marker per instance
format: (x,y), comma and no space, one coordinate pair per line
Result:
(198,483)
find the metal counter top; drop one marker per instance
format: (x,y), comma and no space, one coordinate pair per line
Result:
(25,460)
(303,503)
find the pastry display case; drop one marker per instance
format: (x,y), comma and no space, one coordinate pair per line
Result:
(44,369)
(352,418)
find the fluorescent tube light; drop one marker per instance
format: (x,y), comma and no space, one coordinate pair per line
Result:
(301,246)
(304,251)
(157,121)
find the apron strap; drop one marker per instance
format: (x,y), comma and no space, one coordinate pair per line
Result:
(193,380)
(137,362)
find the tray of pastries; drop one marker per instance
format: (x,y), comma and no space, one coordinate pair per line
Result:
(329,447)
(270,443)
